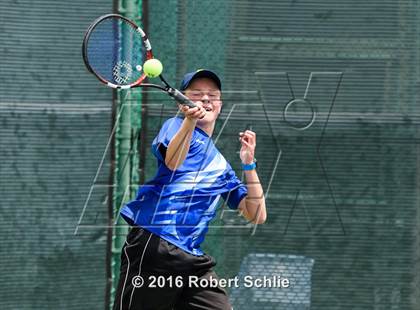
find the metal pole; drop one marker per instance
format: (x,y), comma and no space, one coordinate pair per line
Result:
(124,159)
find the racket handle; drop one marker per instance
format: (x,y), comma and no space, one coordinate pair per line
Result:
(180,97)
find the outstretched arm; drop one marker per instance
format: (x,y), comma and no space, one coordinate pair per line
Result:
(180,144)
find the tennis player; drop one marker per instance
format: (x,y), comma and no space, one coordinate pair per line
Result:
(162,265)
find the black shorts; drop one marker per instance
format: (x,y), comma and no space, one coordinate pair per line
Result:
(157,275)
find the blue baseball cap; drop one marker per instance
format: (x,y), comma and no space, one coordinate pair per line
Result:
(200,73)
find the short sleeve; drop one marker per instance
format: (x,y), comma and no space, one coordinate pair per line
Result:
(237,192)
(234,197)
(165,135)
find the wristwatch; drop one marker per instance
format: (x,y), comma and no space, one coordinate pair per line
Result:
(251,166)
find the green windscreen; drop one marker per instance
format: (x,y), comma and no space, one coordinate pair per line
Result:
(55,120)
(331,89)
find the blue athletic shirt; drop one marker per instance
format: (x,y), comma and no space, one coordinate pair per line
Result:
(178,205)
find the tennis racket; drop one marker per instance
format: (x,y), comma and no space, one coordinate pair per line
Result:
(115,49)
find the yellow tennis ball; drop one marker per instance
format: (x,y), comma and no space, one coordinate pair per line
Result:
(152,68)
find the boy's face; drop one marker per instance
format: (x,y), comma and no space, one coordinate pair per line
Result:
(204,93)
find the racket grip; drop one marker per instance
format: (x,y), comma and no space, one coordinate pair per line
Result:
(180,97)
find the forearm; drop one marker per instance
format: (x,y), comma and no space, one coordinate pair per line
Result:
(180,144)
(255,201)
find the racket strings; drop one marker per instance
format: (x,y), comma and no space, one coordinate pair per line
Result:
(116,52)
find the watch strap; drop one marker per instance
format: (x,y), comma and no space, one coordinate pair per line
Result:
(250,166)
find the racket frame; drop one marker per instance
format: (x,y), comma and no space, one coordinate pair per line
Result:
(173,92)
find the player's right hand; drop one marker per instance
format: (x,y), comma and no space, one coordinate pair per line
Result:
(195,113)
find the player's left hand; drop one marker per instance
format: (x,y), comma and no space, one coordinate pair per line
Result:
(248,141)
